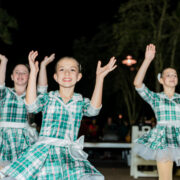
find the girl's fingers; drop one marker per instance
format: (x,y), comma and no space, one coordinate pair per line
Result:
(114,67)
(99,64)
(36,64)
(52,56)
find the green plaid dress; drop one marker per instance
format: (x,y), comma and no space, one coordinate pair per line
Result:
(62,159)
(13,141)
(162,143)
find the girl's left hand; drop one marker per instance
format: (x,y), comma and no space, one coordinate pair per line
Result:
(101,72)
(32,63)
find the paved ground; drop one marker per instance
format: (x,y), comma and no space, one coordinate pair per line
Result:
(116,167)
(122,174)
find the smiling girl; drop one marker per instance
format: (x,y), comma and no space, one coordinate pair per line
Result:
(162,143)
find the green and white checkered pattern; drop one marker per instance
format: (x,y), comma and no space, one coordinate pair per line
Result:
(166,110)
(12,106)
(43,161)
(49,162)
(13,141)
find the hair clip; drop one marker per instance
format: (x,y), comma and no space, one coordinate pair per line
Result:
(159,76)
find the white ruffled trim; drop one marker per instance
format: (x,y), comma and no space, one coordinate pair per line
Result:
(4,163)
(94,111)
(31,107)
(141,88)
(92,177)
(2,86)
(42,89)
(168,154)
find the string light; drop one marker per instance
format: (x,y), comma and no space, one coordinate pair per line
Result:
(129,61)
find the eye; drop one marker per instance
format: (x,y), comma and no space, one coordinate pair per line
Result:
(73,69)
(61,69)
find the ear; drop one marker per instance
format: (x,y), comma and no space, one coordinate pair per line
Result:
(79,77)
(55,77)
(161,81)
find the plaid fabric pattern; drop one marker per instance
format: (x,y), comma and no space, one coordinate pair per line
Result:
(12,109)
(13,142)
(12,106)
(49,162)
(42,161)
(166,110)
(62,120)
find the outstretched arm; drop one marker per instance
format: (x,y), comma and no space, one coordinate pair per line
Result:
(101,73)
(42,79)
(3,64)
(31,88)
(149,56)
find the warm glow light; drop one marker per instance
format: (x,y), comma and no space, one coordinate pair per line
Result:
(129,61)
(120,116)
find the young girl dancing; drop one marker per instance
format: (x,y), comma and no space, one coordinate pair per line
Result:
(15,133)
(162,143)
(58,154)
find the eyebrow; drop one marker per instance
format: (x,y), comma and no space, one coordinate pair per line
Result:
(20,71)
(70,66)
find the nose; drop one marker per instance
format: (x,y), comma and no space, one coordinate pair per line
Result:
(20,74)
(67,72)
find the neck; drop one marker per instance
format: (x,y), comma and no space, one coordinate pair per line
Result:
(66,93)
(20,89)
(169,91)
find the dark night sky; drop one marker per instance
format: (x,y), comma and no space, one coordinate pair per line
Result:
(53,25)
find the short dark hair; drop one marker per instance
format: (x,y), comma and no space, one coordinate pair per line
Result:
(166,69)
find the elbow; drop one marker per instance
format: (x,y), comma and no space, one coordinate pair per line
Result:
(137,84)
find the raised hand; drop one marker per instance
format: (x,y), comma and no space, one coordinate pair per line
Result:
(47,60)
(3,58)
(150,52)
(32,63)
(101,72)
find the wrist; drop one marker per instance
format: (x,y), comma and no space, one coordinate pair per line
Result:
(33,73)
(148,60)
(43,65)
(4,61)
(99,79)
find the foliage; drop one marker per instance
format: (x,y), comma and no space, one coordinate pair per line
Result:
(7,24)
(136,24)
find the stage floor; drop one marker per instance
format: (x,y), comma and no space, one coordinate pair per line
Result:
(123,174)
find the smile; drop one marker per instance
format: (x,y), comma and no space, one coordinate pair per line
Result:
(67,80)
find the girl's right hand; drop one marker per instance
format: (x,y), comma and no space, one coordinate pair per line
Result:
(150,52)
(3,58)
(32,63)
(47,60)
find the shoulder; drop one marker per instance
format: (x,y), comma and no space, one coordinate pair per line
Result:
(52,93)
(77,97)
(176,95)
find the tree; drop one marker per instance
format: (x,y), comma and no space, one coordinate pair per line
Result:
(142,22)
(136,24)
(7,24)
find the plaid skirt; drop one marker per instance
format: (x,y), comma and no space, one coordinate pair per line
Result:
(162,143)
(42,161)
(13,141)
